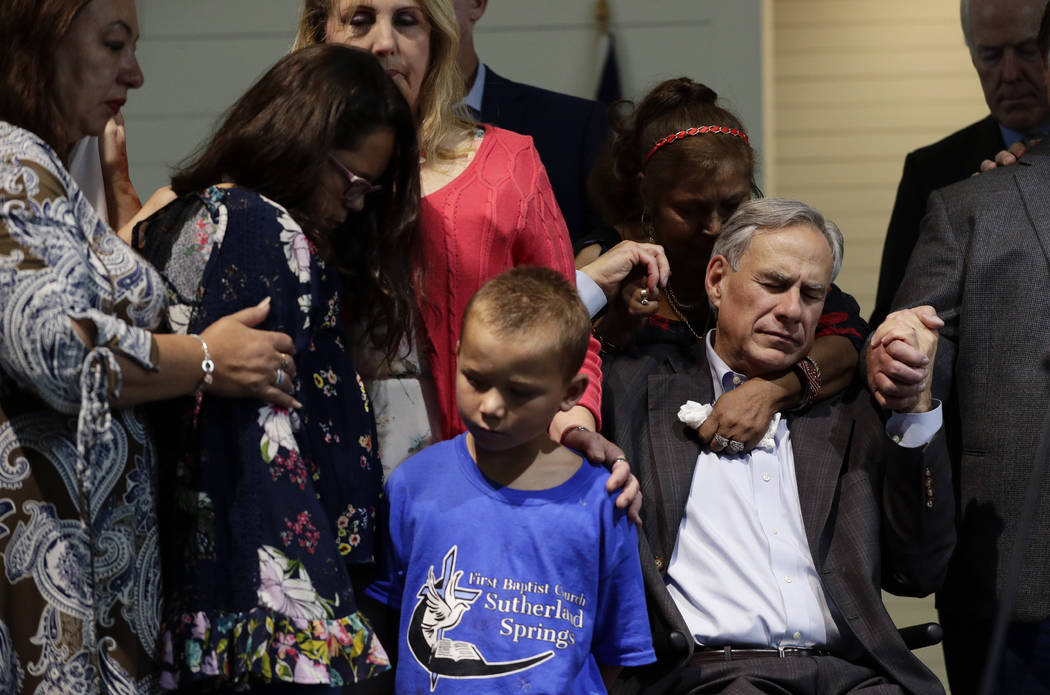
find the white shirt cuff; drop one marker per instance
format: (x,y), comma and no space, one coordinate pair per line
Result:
(592,295)
(912,430)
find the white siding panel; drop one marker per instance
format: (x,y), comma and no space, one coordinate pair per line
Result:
(200,55)
(197,56)
(856,86)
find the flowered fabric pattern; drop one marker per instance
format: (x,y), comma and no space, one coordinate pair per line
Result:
(80,588)
(254,517)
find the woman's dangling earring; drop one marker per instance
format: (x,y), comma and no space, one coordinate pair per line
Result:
(648,229)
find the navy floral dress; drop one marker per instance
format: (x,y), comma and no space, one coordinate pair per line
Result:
(263,511)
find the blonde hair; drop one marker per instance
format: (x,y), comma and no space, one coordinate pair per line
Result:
(441,127)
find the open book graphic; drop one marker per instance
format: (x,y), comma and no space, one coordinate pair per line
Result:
(455,650)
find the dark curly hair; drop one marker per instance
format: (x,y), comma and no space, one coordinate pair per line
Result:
(275,140)
(671,106)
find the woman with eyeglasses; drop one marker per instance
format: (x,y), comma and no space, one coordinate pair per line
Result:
(267,515)
(487,206)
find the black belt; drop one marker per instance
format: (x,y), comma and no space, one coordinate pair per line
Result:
(710,655)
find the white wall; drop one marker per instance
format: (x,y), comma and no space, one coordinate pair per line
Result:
(199,56)
(855,87)
(552,43)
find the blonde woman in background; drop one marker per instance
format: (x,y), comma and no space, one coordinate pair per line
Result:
(487,206)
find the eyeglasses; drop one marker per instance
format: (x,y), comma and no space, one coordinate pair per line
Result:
(357,187)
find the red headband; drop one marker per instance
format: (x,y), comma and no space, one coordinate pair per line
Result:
(735,132)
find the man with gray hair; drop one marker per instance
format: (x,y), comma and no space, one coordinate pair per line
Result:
(764,569)
(1001,36)
(983,261)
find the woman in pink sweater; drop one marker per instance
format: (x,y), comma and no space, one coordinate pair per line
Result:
(487,206)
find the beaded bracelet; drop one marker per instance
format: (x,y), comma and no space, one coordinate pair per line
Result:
(809,374)
(207,366)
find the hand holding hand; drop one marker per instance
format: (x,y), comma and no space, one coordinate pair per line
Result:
(600,450)
(611,268)
(251,363)
(900,359)
(636,300)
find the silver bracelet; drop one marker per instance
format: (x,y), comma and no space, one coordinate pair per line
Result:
(207,366)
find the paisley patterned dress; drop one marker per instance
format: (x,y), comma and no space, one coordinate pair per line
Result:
(80,583)
(265,513)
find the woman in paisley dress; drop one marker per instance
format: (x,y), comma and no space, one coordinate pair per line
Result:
(268,515)
(80,581)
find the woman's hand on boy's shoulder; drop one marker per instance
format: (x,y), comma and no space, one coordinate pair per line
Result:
(600,450)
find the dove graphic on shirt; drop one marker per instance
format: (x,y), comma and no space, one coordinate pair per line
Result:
(442,605)
(444,609)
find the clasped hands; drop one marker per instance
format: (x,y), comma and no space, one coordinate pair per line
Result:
(900,358)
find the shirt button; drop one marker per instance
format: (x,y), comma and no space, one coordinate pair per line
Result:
(773,531)
(787,579)
(797,635)
(736,380)
(766,477)
(896,439)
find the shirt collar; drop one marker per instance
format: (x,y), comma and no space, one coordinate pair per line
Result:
(1011,136)
(723,378)
(477,90)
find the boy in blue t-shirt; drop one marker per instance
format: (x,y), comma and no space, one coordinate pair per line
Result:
(508,561)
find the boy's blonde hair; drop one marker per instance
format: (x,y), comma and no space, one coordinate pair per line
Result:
(533,301)
(441,126)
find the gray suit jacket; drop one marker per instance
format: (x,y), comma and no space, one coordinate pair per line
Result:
(983,261)
(876,515)
(926,169)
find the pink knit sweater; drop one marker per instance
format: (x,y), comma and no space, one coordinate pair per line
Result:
(499,213)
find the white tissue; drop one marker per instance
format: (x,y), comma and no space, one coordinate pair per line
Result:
(693,414)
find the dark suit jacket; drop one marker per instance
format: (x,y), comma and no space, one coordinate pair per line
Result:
(983,261)
(568,132)
(935,166)
(876,515)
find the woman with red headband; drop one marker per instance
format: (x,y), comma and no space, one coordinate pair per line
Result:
(678,166)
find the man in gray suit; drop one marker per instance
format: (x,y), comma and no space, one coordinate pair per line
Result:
(764,568)
(1001,37)
(983,261)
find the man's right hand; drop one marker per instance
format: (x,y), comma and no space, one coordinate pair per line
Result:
(900,359)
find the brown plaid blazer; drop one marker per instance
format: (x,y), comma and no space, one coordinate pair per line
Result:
(877,516)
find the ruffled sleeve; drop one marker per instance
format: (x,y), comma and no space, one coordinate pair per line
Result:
(60,263)
(51,273)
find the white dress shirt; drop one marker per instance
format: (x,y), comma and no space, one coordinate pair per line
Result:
(477,92)
(741,572)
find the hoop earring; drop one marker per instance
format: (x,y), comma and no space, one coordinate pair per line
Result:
(648,229)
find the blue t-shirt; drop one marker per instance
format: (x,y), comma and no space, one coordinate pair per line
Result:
(509,591)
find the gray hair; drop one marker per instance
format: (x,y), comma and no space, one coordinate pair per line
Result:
(967,26)
(768,214)
(964,17)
